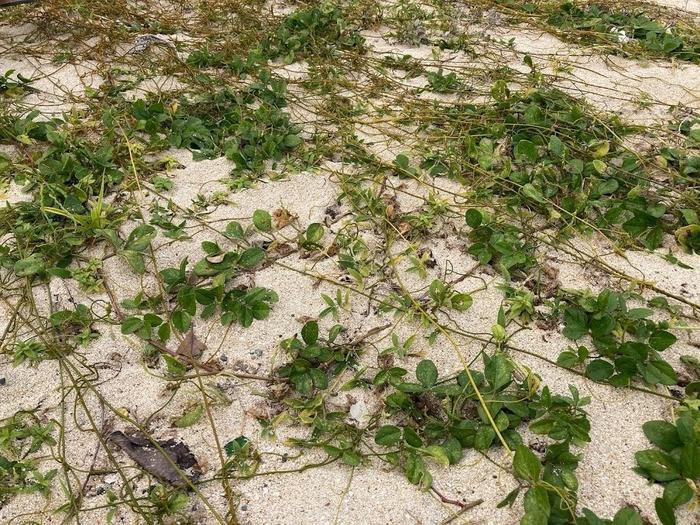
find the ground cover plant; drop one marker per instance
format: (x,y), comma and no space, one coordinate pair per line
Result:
(376,252)
(621,28)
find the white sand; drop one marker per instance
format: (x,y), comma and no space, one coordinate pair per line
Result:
(371,493)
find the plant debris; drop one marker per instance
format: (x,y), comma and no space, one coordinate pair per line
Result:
(174,463)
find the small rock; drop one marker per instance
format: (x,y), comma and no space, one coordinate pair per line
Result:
(2,381)
(110,479)
(359,412)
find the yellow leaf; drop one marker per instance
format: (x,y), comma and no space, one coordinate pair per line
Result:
(600,149)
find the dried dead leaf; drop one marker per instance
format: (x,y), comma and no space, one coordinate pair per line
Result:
(282,217)
(404,228)
(191,348)
(174,465)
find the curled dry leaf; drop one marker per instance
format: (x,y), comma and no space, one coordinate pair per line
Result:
(282,217)
(282,249)
(174,465)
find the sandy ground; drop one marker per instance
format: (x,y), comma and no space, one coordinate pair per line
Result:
(370,494)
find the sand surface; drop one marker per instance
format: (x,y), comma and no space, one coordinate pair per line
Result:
(372,493)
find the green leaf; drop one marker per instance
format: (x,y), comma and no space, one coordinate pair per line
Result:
(689,237)
(525,151)
(473,217)
(501,318)
(187,300)
(417,473)
(211,248)
(599,166)
(500,91)
(164,332)
(533,193)
(174,367)
(191,417)
(543,425)
(661,339)
(181,320)
(402,161)
(453,449)
(237,447)
(526,464)
(509,499)
(484,437)
(639,313)
(135,261)
(567,359)
(387,435)
(685,425)
(677,493)
(537,508)
(260,310)
(690,461)
(314,232)
(599,370)
(657,465)
(292,141)
(660,372)
(31,265)
(607,187)
(602,326)
(600,149)
(140,238)
(352,458)
(131,325)
(309,332)
(556,146)
(235,230)
(627,516)
(498,371)
(412,438)
(690,216)
(662,434)
(62,273)
(589,518)
(461,301)
(262,220)
(427,373)
(319,378)
(252,257)
(438,454)
(664,512)
(303,383)
(576,323)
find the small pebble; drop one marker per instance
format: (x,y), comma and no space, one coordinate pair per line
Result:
(2,381)
(110,478)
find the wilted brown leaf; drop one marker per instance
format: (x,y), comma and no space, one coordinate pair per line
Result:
(175,464)
(282,217)
(191,348)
